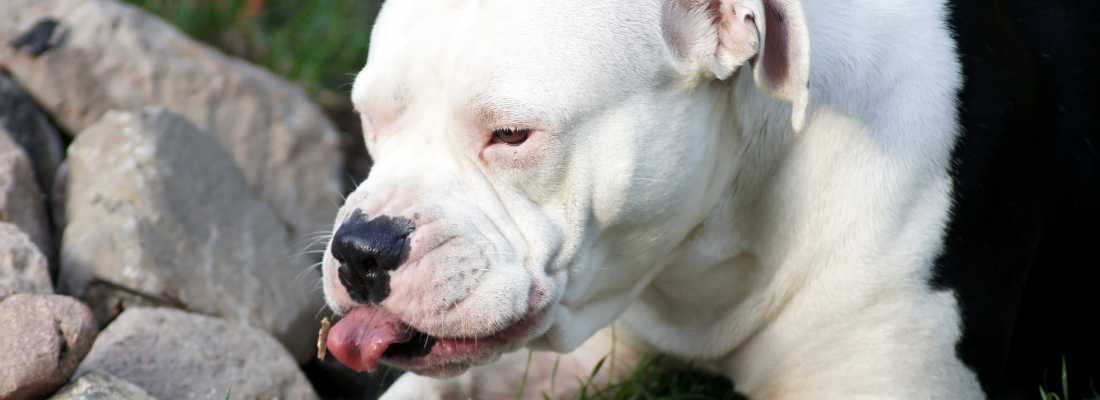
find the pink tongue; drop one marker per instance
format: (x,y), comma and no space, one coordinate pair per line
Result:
(359,339)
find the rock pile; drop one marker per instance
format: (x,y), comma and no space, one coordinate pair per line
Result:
(156,208)
(102,56)
(155,198)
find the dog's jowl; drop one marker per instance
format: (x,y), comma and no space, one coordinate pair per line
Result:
(818,198)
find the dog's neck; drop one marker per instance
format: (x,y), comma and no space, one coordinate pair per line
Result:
(716,267)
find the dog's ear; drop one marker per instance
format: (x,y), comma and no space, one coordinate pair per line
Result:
(771,34)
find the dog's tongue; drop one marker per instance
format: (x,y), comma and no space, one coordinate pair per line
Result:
(359,339)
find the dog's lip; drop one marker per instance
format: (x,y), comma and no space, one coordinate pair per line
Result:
(368,335)
(447,356)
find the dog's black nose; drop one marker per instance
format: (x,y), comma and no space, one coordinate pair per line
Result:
(368,249)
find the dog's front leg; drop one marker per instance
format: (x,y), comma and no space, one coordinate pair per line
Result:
(528,374)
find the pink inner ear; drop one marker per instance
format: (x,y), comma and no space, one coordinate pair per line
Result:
(738,32)
(776,63)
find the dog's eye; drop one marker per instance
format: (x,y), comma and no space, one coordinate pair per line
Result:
(510,136)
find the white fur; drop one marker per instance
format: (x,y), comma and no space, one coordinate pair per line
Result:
(795,263)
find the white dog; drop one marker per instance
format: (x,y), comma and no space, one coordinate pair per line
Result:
(761,186)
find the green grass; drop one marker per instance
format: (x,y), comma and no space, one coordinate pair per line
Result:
(654,378)
(1064,393)
(660,378)
(1065,387)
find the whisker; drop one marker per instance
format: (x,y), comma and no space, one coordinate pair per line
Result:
(319,311)
(321,236)
(320,287)
(313,242)
(312,268)
(354,182)
(316,236)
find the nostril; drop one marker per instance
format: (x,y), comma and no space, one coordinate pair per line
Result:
(364,287)
(367,250)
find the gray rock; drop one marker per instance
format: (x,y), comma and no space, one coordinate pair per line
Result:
(43,338)
(177,355)
(96,385)
(157,208)
(25,123)
(23,269)
(21,201)
(104,55)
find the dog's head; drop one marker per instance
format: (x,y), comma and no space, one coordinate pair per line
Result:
(535,163)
